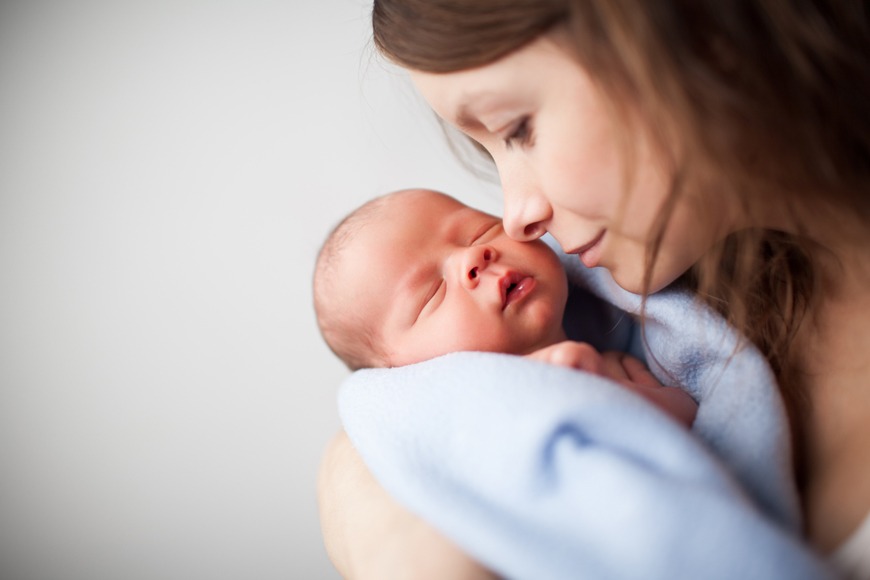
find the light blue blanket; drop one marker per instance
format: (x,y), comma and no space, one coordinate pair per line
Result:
(544,472)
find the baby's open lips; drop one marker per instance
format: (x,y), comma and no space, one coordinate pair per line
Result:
(514,287)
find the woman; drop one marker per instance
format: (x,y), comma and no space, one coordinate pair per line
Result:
(724,143)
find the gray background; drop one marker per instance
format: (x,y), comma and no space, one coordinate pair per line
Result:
(168,170)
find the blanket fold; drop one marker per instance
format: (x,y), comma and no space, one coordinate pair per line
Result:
(544,472)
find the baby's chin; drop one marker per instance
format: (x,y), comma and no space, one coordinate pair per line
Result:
(549,316)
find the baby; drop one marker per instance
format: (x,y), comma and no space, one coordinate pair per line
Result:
(416,274)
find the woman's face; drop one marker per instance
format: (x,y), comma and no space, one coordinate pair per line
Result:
(562,167)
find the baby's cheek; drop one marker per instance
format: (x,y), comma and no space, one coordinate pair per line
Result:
(482,336)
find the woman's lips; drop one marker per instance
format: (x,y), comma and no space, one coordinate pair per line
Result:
(514,287)
(590,253)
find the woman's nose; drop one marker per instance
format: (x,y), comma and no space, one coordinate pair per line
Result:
(526,215)
(474,262)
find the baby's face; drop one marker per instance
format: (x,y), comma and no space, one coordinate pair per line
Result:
(434,276)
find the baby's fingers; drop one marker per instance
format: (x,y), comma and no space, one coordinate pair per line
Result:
(575,355)
(613,368)
(638,372)
(578,355)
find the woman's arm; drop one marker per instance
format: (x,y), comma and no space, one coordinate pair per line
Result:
(369,536)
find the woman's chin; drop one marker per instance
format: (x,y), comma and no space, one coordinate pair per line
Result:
(632,280)
(628,281)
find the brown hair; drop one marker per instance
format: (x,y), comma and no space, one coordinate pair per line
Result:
(746,99)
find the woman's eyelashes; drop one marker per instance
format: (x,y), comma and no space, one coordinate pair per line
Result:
(520,133)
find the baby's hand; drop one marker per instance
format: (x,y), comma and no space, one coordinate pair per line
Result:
(575,355)
(617,366)
(625,370)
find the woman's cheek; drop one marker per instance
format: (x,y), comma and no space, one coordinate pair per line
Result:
(569,188)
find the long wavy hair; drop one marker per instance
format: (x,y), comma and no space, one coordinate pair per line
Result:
(749,99)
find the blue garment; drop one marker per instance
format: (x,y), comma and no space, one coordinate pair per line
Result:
(543,472)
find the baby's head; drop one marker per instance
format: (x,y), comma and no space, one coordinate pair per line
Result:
(416,274)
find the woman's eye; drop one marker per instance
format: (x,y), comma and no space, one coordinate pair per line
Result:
(520,133)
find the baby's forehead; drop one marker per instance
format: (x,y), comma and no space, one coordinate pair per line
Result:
(431,208)
(390,242)
(423,200)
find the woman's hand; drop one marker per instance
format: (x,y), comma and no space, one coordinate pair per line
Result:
(369,536)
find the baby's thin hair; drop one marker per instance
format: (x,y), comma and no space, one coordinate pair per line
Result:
(350,337)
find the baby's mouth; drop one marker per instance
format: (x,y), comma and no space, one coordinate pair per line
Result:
(514,287)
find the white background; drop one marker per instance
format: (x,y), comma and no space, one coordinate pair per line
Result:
(168,170)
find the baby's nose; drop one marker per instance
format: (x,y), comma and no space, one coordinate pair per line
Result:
(477,259)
